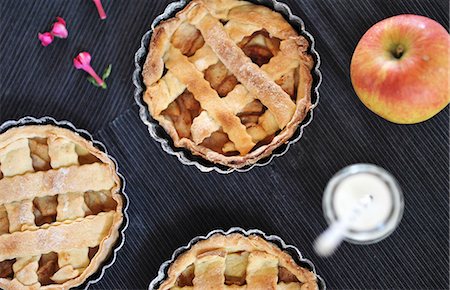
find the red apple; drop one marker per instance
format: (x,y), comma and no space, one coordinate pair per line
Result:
(400,68)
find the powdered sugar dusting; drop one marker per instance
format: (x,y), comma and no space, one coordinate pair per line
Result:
(26,213)
(60,179)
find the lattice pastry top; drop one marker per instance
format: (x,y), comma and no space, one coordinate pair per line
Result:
(228,80)
(60,208)
(237,262)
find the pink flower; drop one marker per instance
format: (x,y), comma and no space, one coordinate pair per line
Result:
(83,61)
(101,12)
(59,28)
(46,38)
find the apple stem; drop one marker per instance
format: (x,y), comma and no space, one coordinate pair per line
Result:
(399,51)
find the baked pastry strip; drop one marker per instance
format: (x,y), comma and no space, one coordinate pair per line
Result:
(209,270)
(71,205)
(59,236)
(95,176)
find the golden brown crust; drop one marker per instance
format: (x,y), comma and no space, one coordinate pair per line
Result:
(95,177)
(116,217)
(29,242)
(237,243)
(247,18)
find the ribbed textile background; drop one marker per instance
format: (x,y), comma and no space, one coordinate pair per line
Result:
(170,203)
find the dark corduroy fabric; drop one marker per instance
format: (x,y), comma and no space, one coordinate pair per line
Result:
(170,203)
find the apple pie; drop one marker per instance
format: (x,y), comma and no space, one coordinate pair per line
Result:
(60,208)
(235,261)
(229,80)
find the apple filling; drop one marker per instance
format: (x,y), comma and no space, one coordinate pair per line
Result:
(260,47)
(6,269)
